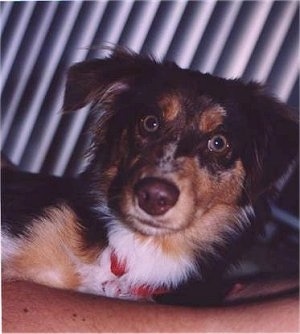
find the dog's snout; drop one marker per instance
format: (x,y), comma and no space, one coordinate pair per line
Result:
(156,196)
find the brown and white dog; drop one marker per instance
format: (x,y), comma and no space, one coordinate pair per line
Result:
(178,162)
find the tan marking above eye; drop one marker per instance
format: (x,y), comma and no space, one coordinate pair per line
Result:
(211,118)
(171,106)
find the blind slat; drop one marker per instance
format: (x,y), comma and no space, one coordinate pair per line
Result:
(187,39)
(271,44)
(140,24)
(6,8)
(33,161)
(164,29)
(239,50)
(16,145)
(209,53)
(111,33)
(29,57)
(10,49)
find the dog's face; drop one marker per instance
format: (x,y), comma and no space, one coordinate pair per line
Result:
(174,159)
(179,151)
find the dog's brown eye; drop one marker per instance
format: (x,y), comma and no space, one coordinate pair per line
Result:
(218,144)
(150,123)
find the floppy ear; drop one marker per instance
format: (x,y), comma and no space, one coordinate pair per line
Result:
(88,81)
(84,81)
(275,139)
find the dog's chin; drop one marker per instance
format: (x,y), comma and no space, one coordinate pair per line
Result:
(151,227)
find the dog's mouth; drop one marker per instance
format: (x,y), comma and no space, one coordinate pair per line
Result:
(155,205)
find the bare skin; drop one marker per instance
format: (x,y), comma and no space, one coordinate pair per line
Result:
(28,307)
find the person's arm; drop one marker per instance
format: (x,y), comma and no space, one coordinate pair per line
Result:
(28,307)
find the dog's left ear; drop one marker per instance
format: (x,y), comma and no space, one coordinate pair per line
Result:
(275,139)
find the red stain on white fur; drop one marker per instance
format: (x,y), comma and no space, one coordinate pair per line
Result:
(118,268)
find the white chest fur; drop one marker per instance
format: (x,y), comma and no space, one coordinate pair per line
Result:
(146,265)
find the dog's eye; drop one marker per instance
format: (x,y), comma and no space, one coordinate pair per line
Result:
(218,144)
(150,123)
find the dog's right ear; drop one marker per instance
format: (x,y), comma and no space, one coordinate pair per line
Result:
(88,81)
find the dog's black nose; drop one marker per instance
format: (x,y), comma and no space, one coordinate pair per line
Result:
(156,196)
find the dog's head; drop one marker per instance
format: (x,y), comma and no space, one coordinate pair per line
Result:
(178,152)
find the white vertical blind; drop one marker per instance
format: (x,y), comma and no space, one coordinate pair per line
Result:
(29,57)
(4,13)
(269,46)
(289,72)
(183,49)
(139,25)
(246,35)
(10,49)
(165,28)
(114,27)
(18,143)
(34,160)
(210,53)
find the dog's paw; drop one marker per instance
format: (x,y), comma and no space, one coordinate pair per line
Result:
(111,288)
(117,289)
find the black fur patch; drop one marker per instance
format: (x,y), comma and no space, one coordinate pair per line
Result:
(25,196)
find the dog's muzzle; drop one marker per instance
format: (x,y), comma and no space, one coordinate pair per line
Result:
(156,196)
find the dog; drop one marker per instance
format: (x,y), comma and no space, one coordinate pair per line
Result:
(178,163)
